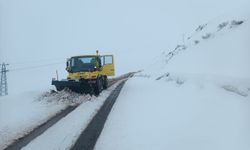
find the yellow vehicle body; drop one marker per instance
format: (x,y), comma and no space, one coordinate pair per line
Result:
(107,69)
(87,73)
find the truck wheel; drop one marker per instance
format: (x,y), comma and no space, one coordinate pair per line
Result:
(105,82)
(98,86)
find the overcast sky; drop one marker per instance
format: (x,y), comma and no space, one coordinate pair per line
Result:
(135,31)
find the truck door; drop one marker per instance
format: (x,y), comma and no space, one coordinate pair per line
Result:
(108,65)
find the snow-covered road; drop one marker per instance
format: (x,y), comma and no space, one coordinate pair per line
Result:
(30,116)
(64,133)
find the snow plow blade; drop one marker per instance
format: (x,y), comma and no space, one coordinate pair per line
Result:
(75,86)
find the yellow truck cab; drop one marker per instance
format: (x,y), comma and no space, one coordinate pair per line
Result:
(87,73)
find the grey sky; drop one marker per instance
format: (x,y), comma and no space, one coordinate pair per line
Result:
(135,31)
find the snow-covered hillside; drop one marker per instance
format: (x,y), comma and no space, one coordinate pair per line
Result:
(218,47)
(217,51)
(196,96)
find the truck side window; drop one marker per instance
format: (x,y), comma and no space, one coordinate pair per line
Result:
(108,60)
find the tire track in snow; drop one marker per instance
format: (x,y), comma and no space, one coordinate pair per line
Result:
(89,136)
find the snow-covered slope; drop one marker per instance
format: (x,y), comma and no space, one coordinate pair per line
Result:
(219,47)
(196,96)
(216,52)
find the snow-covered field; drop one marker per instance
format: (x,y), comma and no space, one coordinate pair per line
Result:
(196,96)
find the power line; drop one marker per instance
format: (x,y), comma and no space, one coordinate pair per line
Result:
(35,67)
(36,61)
(4,70)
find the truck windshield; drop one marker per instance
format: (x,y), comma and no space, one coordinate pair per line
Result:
(83,64)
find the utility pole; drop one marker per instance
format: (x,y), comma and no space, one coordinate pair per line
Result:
(3,83)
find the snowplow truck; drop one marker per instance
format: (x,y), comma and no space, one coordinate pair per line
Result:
(87,74)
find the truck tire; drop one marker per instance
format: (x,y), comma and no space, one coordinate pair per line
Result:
(98,86)
(105,82)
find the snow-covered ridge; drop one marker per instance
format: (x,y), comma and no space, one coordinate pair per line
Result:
(202,33)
